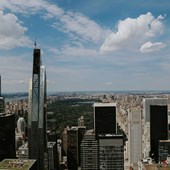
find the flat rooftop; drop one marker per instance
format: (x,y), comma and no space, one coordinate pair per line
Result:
(104,105)
(16,164)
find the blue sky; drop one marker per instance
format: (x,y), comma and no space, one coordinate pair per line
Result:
(86,45)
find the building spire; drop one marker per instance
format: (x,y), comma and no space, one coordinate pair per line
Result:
(35,44)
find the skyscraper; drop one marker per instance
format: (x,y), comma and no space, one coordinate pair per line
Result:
(158,127)
(37,112)
(134,136)
(155,116)
(7,136)
(111,152)
(147,102)
(52,155)
(89,151)
(105,118)
(72,148)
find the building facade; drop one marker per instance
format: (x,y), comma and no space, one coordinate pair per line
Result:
(111,152)
(72,148)
(7,136)
(52,155)
(37,143)
(89,152)
(134,136)
(155,116)
(158,127)
(105,118)
(147,102)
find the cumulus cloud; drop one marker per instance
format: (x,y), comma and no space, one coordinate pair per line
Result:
(12,32)
(133,32)
(150,47)
(65,21)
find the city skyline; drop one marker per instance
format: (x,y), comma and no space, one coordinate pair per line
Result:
(86,45)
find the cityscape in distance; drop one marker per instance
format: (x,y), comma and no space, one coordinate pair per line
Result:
(83,130)
(84,85)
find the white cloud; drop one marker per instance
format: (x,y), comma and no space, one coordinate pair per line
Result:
(108,83)
(65,21)
(82,26)
(133,32)
(69,51)
(30,7)
(12,32)
(150,47)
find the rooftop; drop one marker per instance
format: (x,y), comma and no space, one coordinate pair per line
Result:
(16,164)
(104,104)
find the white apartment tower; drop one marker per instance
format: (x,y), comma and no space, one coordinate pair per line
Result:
(134,136)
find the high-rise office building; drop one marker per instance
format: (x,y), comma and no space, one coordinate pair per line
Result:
(72,138)
(7,136)
(81,132)
(111,152)
(157,109)
(105,118)
(2,105)
(89,151)
(52,155)
(147,102)
(72,148)
(134,136)
(2,102)
(158,127)
(52,137)
(37,143)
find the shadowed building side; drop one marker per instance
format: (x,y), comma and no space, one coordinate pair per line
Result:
(7,136)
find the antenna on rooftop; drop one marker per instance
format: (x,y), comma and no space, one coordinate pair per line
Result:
(35,44)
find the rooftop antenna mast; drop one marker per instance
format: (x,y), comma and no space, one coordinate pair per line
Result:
(35,44)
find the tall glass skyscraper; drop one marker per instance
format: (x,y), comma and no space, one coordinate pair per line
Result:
(37,143)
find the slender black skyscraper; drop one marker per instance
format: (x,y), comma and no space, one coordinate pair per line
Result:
(37,112)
